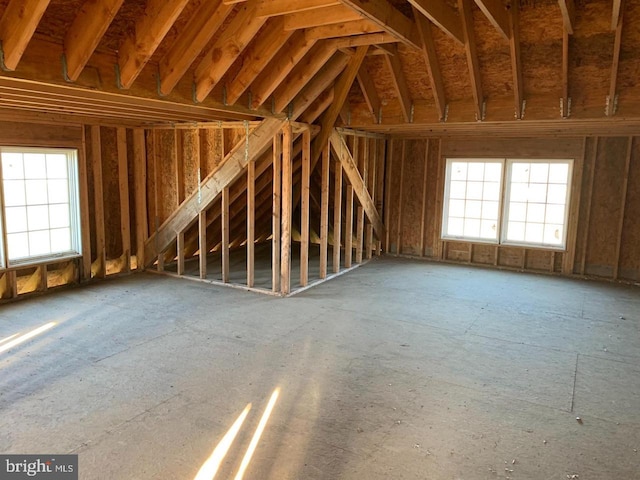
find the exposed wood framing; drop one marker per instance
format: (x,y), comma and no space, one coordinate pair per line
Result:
(387,197)
(516,63)
(400,85)
(140,175)
(292,52)
(99,267)
(276,212)
(324,211)
(17,25)
(616,13)
(497,15)
(348,228)
(442,15)
(341,90)
(369,92)
(202,242)
(194,37)
(472,57)
(337,216)
(612,99)
(623,207)
(225,234)
(432,64)
(384,14)
(568,10)
(301,74)
(210,188)
(287,204)
(85,216)
(341,151)
(123,182)
(85,33)
(226,49)
(565,107)
(251,222)
(346,29)
(320,16)
(304,208)
(423,211)
(149,31)
(257,56)
(180,253)
(400,196)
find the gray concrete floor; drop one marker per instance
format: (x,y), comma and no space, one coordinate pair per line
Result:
(397,370)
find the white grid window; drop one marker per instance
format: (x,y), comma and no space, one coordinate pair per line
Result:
(536,203)
(41,214)
(472,199)
(533,211)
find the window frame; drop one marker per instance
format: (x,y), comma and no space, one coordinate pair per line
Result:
(507,200)
(504,199)
(75,223)
(445,203)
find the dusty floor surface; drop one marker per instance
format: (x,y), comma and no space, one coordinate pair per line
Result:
(397,370)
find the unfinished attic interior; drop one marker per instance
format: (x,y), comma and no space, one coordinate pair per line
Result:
(320,239)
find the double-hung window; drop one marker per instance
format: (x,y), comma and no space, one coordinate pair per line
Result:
(508,201)
(40,214)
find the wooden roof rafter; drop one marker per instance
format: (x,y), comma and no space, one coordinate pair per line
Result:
(85,33)
(472,58)
(369,92)
(400,86)
(432,64)
(17,25)
(384,14)
(226,49)
(149,31)
(516,62)
(612,98)
(206,20)
(496,12)
(443,16)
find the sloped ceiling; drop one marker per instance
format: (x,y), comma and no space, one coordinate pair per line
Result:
(429,62)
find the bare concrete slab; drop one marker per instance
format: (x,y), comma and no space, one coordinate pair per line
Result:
(399,369)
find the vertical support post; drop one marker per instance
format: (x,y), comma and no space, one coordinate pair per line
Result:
(276,218)
(348,228)
(359,233)
(202,242)
(179,155)
(96,152)
(324,212)
(287,180)
(251,222)
(623,207)
(123,183)
(387,198)
(180,250)
(85,222)
(140,172)
(337,216)
(423,214)
(12,278)
(225,234)
(371,160)
(304,208)
(400,195)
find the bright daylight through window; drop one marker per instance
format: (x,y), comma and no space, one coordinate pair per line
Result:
(40,193)
(534,209)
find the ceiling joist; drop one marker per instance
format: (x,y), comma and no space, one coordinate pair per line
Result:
(345,29)
(270,8)
(320,17)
